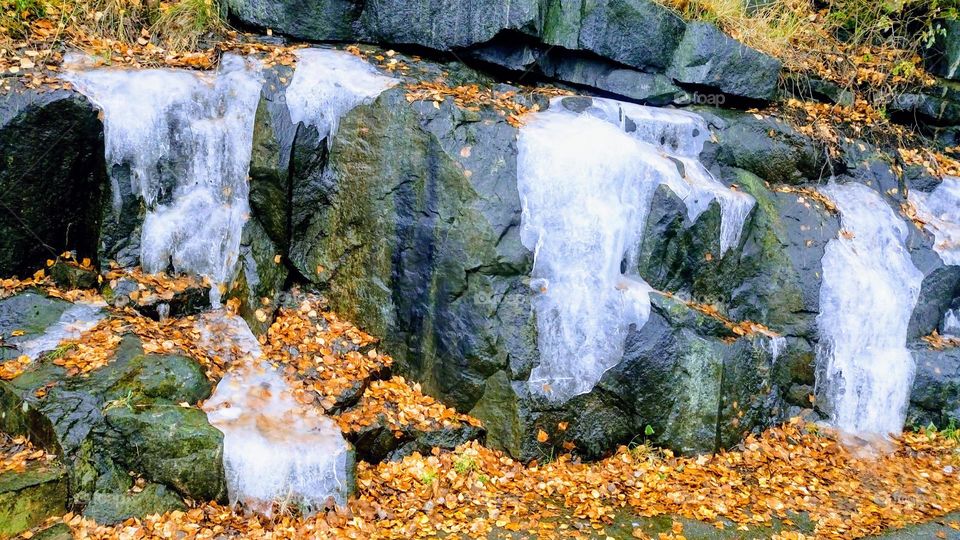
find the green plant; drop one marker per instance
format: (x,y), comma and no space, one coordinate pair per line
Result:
(464,465)
(125,402)
(61,351)
(428,477)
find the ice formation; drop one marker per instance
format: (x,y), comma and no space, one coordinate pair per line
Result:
(951,323)
(870,288)
(586,180)
(775,345)
(329,83)
(186,138)
(275,450)
(940,210)
(74,321)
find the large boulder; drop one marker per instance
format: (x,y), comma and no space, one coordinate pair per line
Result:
(302,19)
(617,46)
(637,33)
(445,24)
(682,384)
(416,239)
(52,177)
(935,398)
(29,497)
(708,57)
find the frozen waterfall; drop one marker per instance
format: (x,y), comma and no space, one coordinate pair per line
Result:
(329,83)
(586,180)
(186,138)
(940,209)
(275,450)
(870,288)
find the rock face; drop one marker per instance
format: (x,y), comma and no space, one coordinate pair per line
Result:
(617,46)
(27,498)
(417,240)
(51,200)
(124,417)
(936,390)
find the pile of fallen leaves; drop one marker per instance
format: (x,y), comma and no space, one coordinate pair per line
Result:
(322,355)
(401,405)
(473,97)
(939,342)
(17,454)
(476,492)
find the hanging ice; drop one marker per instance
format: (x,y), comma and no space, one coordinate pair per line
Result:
(951,323)
(940,209)
(681,136)
(870,288)
(586,180)
(186,138)
(75,320)
(329,83)
(275,450)
(775,345)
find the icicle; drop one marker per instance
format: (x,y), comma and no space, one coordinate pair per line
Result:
(329,83)
(870,288)
(775,345)
(940,210)
(187,138)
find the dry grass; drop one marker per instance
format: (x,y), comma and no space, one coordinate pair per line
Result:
(175,25)
(868,46)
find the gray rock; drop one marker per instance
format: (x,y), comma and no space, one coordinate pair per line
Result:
(648,88)
(944,58)
(445,24)
(637,33)
(708,57)
(935,398)
(770,149)
(315,20)
(51,200)
(928,109)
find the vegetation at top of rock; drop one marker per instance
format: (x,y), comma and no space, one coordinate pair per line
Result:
(859,44)
(173,24)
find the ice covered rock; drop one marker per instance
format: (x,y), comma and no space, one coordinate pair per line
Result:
(587,170)
(870,288)
(940,210)
(327,84)
(276,450)
(183,140)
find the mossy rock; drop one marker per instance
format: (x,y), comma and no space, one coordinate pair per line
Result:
(28,498)
(112,508)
